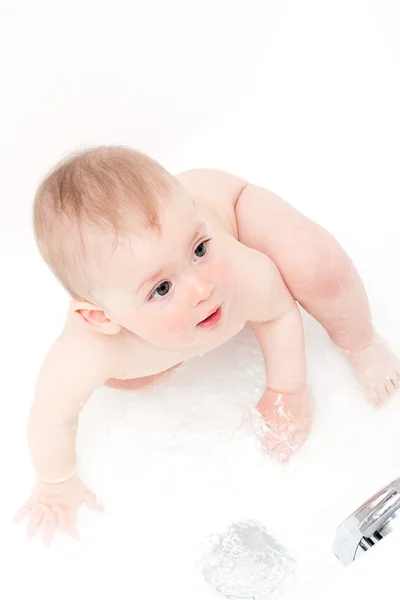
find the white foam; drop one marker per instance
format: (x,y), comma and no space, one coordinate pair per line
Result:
(175,464)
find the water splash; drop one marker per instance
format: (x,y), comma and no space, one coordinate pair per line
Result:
(245,562)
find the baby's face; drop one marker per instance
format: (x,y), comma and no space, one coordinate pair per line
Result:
(161,287)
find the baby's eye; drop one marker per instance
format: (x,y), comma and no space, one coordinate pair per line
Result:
(201,249)
(162,289)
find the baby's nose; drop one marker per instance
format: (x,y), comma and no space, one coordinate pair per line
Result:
(200,289)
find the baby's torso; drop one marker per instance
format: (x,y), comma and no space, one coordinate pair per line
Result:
(134,357)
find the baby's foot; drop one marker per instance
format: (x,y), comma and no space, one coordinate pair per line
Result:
(377,371)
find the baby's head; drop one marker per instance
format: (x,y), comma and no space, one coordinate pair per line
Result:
(125,240)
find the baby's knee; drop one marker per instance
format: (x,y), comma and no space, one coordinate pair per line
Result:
(329,271)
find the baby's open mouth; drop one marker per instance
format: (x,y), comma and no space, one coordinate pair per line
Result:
(212,319)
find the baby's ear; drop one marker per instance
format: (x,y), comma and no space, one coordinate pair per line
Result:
(95,317)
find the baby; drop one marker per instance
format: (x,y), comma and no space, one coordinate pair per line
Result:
(161,269)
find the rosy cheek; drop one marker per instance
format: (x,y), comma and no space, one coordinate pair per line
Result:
(221,272)
(165,325)
(174,324)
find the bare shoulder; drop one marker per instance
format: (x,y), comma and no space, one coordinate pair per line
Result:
(99,353)
(260,284)
(216,191)
(212,181)
(120,356)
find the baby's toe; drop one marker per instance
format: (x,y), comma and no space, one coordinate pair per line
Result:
(396,381)
(392,386)
(382,395)
(387,390)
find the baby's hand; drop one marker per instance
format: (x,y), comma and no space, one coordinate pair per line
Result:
(53,505)
(287,421)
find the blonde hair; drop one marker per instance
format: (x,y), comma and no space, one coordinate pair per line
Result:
(92,192)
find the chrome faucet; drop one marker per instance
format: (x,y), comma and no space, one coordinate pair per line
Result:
(371,522)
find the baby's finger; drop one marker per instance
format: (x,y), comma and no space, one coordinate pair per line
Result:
(298,441)
(35,518)
(49,525)
(66,519)
(270,442)
(302,434)
(277,448)
(23,511)
(284,452)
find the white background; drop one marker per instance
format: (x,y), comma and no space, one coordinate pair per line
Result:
(302,97)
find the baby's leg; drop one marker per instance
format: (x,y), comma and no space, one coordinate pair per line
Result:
(138,382)
(130,384)
(322,278)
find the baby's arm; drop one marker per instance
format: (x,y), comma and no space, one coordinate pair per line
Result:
(281,335)
(74,367)
(285,404)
